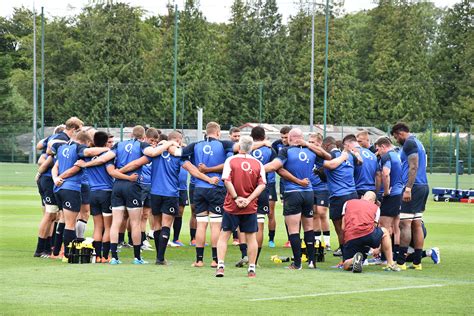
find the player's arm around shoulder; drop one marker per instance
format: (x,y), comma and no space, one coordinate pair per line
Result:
(336,162)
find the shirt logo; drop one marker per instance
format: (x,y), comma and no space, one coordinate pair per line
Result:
(66,152)
(68,204)
(128,148)
(246,167)
(303,157)
(257,153)
(207,149)
(166,155)
(367,155)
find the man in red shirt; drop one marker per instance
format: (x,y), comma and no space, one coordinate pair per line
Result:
(244,179)
(361,232)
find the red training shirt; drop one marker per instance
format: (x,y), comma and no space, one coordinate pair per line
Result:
(359,218)
(245,173)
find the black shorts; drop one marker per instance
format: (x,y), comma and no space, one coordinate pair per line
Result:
(85,194)
(209,200)
(419,196)
(69,200)
(272,192)
(337,202)
(164,205)
(126,194)
(360,193)
(321,198)
(390,205)
(362,244)
(246,223)
(45,188)
(146,198)
(101,202)
(263,205)
(298,202)
(183,198)
(191,193)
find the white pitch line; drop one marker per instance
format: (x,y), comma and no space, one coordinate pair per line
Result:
(346,292)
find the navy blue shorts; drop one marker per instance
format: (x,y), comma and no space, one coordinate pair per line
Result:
(146,197)
(209,200)
(263,205)
(362,244)
(85,194)
(321,198)
(272,192)
(45,188)
(126,194)
(183,198)
(298,202)
(191,193)
(246,223)
(101,202)
(164,205)
(69,200)
(360,193)
(337,202)
(419,196)
(390,205)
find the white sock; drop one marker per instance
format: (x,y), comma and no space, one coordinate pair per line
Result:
(251,267)
(220,264)
(428,252)
(80,228)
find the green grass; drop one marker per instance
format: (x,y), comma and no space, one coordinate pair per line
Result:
(32,285)
(43,286)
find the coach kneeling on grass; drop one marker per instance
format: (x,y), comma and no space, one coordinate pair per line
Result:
(244,179)
(361,232)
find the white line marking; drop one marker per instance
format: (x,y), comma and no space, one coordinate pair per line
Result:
(346,292)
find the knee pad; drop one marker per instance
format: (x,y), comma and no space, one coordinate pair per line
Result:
(51,208)
(202,218)
(260,218)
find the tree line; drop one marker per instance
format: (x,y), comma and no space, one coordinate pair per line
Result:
(112,63)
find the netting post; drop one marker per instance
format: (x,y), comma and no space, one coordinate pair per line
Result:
(431,146)
(121,132)
(450,144)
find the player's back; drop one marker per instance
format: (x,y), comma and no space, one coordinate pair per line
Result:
(364,174)
(165,170)
(127,151)
(299,161)
(392,160)
(67,155)
(413,145)
(99,178)
(265,155)
(340,181)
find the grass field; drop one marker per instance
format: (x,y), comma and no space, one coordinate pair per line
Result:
(43,286)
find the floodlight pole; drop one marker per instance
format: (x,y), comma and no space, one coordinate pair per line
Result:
(326,68)
(42,72)
(175,76)
(35,97)
(311,99)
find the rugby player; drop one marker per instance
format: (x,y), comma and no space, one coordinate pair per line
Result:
(364,141)
(209,198)
(298,206)
(234,134)
(359,223)
(126,195)
(414,196)
(244,178)
(68,189)
(165,188)
(183,202)
(46,188)
(321,198)
(391,173)
(341,185)
(365,172)
(277,145)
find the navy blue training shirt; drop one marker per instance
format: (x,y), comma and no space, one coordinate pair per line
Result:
(145,177)
(391,160)
(316,182)
(183,179)
(265,155)
(67,155)
(299,161)
(413,146)
(99,178)
(364,174)
(341,180)
(211,152)
(128,151)
(165,170)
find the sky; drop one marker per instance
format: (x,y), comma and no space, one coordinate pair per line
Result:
(214,10)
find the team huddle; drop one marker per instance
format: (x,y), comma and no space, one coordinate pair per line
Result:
(375,194)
